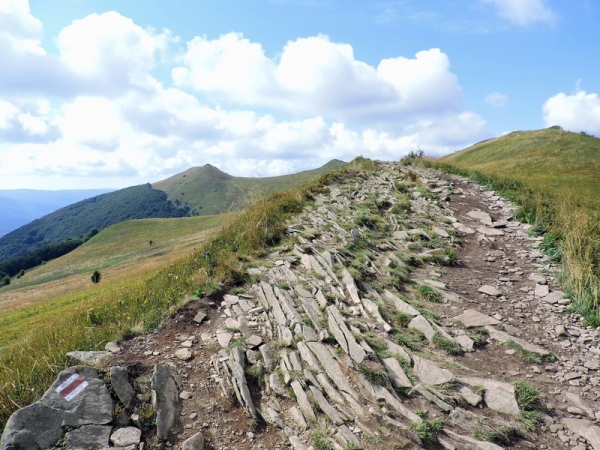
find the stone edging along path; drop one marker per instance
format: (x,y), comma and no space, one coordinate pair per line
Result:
(361,333)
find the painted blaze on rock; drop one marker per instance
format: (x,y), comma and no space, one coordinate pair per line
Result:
(77,398)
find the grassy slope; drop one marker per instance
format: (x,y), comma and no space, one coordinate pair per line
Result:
(118,252)
(559,191)
(210,191)
(553,160)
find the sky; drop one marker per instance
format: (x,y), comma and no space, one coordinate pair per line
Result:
(109,94)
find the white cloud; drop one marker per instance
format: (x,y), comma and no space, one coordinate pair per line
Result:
(524,12)
(496,100)
(577,112)
(111,50)
(18,28)
(96,116)
(318,77)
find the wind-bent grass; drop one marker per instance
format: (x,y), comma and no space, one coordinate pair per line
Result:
(554,176)
(29,364)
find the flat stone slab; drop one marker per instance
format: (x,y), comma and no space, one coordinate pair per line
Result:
(89,436)
(420,323)
(584,428)
(396,373)
(184,354)
(401,305)
(200,317)
(224,338)
(541,290)
(98,359)
(480,215)
(342,334)
(498,395)
(538,278)
(463,228)
(471,318)
(196,442)
(487,231)
(503,337)
(489,290)
(166,384)
(430,373)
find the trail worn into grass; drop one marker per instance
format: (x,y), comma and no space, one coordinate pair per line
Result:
(406,309)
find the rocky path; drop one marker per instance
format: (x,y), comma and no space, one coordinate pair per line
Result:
(400,315)
(407,310)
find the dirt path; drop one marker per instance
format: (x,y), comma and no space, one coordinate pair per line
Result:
(376,364)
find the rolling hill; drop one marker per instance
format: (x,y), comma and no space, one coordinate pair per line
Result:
(207,190)
(137,202)
(552,160)
(21,206)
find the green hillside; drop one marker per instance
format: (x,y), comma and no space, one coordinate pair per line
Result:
(552,160)
(207,190)
(554,175)
(137,202)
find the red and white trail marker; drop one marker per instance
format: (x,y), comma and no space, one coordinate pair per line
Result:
(72,386)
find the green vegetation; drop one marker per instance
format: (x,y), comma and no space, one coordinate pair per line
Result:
(429,293)
(142,303)
(77,220)
(553,176)
(428,430)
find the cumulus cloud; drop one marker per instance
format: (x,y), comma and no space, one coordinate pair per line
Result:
(96,115)
(577,112)
(316,76)
(496,100)
(524,12)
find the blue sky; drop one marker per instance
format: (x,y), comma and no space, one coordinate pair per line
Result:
(107,94)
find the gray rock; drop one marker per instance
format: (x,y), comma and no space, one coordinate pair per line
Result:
(470,442)
(541,290)
(398,350)
(342,334)
(554,297)
(480,215)
(119,380)
(165,385)
(126,436)
(77,397)
(265,351)
(33,427)
(489,290)
(332,368)
(501,336)
(325,406)
(471,318)
(196,442)
(224,338)
(346,438)
(200,317)
(429,372)
(538,278)
(487,231)
(303,401)
(396,373)
(469,396)
(112,347)
(185,354)
(498,395)
(254,341)
(88,437)
(465,342)
(441,232)
(97,359)
(420,323)
(585,429)
(401,305)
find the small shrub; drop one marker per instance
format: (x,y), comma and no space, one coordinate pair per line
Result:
(96,277)
(448,345)
(428,430)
